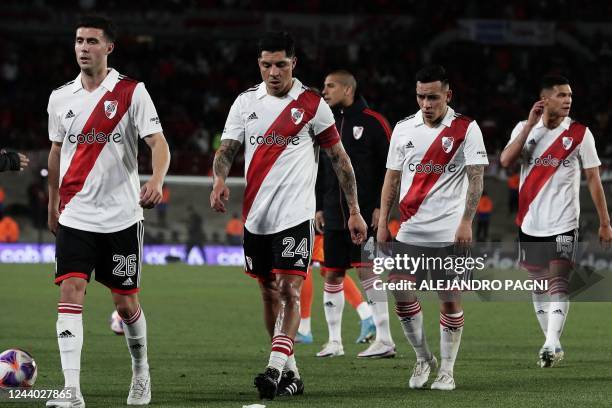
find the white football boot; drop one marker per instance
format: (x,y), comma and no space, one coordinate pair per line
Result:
(331,349)
(140,390)
(378,349)
(421,371)
(76,400)
(444,381)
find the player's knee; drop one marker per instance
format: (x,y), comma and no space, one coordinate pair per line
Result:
(289,292)
(127,309)
(269,293)
(334,278)
(72,289)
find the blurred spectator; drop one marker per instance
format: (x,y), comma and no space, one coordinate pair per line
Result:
(9,229)
(234,230)
(483,216)
(162,207)
(195,230)
(513,191)
(37,201)
(2,197)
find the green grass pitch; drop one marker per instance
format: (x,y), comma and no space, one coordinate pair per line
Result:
(207,342)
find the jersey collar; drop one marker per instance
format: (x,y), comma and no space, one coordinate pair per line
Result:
(565,123)
(294,92)
(108,83)
(447,120)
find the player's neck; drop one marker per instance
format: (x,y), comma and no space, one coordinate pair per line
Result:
(552,121)
(91,80)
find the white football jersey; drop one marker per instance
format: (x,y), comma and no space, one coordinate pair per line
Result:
(550,176)
(99,187)
(282,138)
(434,180)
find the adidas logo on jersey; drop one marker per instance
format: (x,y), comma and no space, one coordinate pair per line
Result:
(531,142)
(299,263)
(252,116)
(65,334)
(128,281)
(409,145)
(70,114)
(329,303)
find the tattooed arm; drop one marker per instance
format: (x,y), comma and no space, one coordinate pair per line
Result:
(221,167)
(346,179)
(388,198)
(475,184)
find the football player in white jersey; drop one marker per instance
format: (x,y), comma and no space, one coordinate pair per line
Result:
(282,125)
(96,202)
(552,147)
(436,162)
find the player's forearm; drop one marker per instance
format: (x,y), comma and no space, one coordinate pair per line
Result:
(53,164)
(224,157)
(346,176)
(388,196)
(598,196)
(475,174)
(512,152)
(160,158)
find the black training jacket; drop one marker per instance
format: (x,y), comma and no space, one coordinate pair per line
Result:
(365,135)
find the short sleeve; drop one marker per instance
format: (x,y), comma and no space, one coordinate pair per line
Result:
(144,113)
(324,126)
(587,152)
(474,149)
(515,132)
(234,126)
(396,156)
(56,128)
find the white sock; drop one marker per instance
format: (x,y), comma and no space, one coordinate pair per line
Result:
(282,348)
(291,365)
(135,329)
(411,319)
(380,310)
(559,307)
(364,311)
(451,328)
(70,341)
(304,326)
(333,300)
(541,303)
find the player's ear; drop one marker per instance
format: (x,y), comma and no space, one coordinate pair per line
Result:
(109,48)
(293,62)
(449,95)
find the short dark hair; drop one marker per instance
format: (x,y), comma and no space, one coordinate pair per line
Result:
(277,41)
(549,81)
(103,23)
(432,73)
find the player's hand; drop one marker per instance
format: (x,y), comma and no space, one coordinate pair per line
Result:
(319,222)
(23,161)
(375,217)
(605,236)
(536,113)
(383,239)
(463,236)
(53,220)
(358,228)
(218,195)
(150,194)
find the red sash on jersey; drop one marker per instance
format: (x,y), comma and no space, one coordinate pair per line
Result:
(422,183)
(86,154)
(265,155)
(539,175)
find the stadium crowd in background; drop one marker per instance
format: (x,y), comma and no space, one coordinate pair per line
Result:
(494,82)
